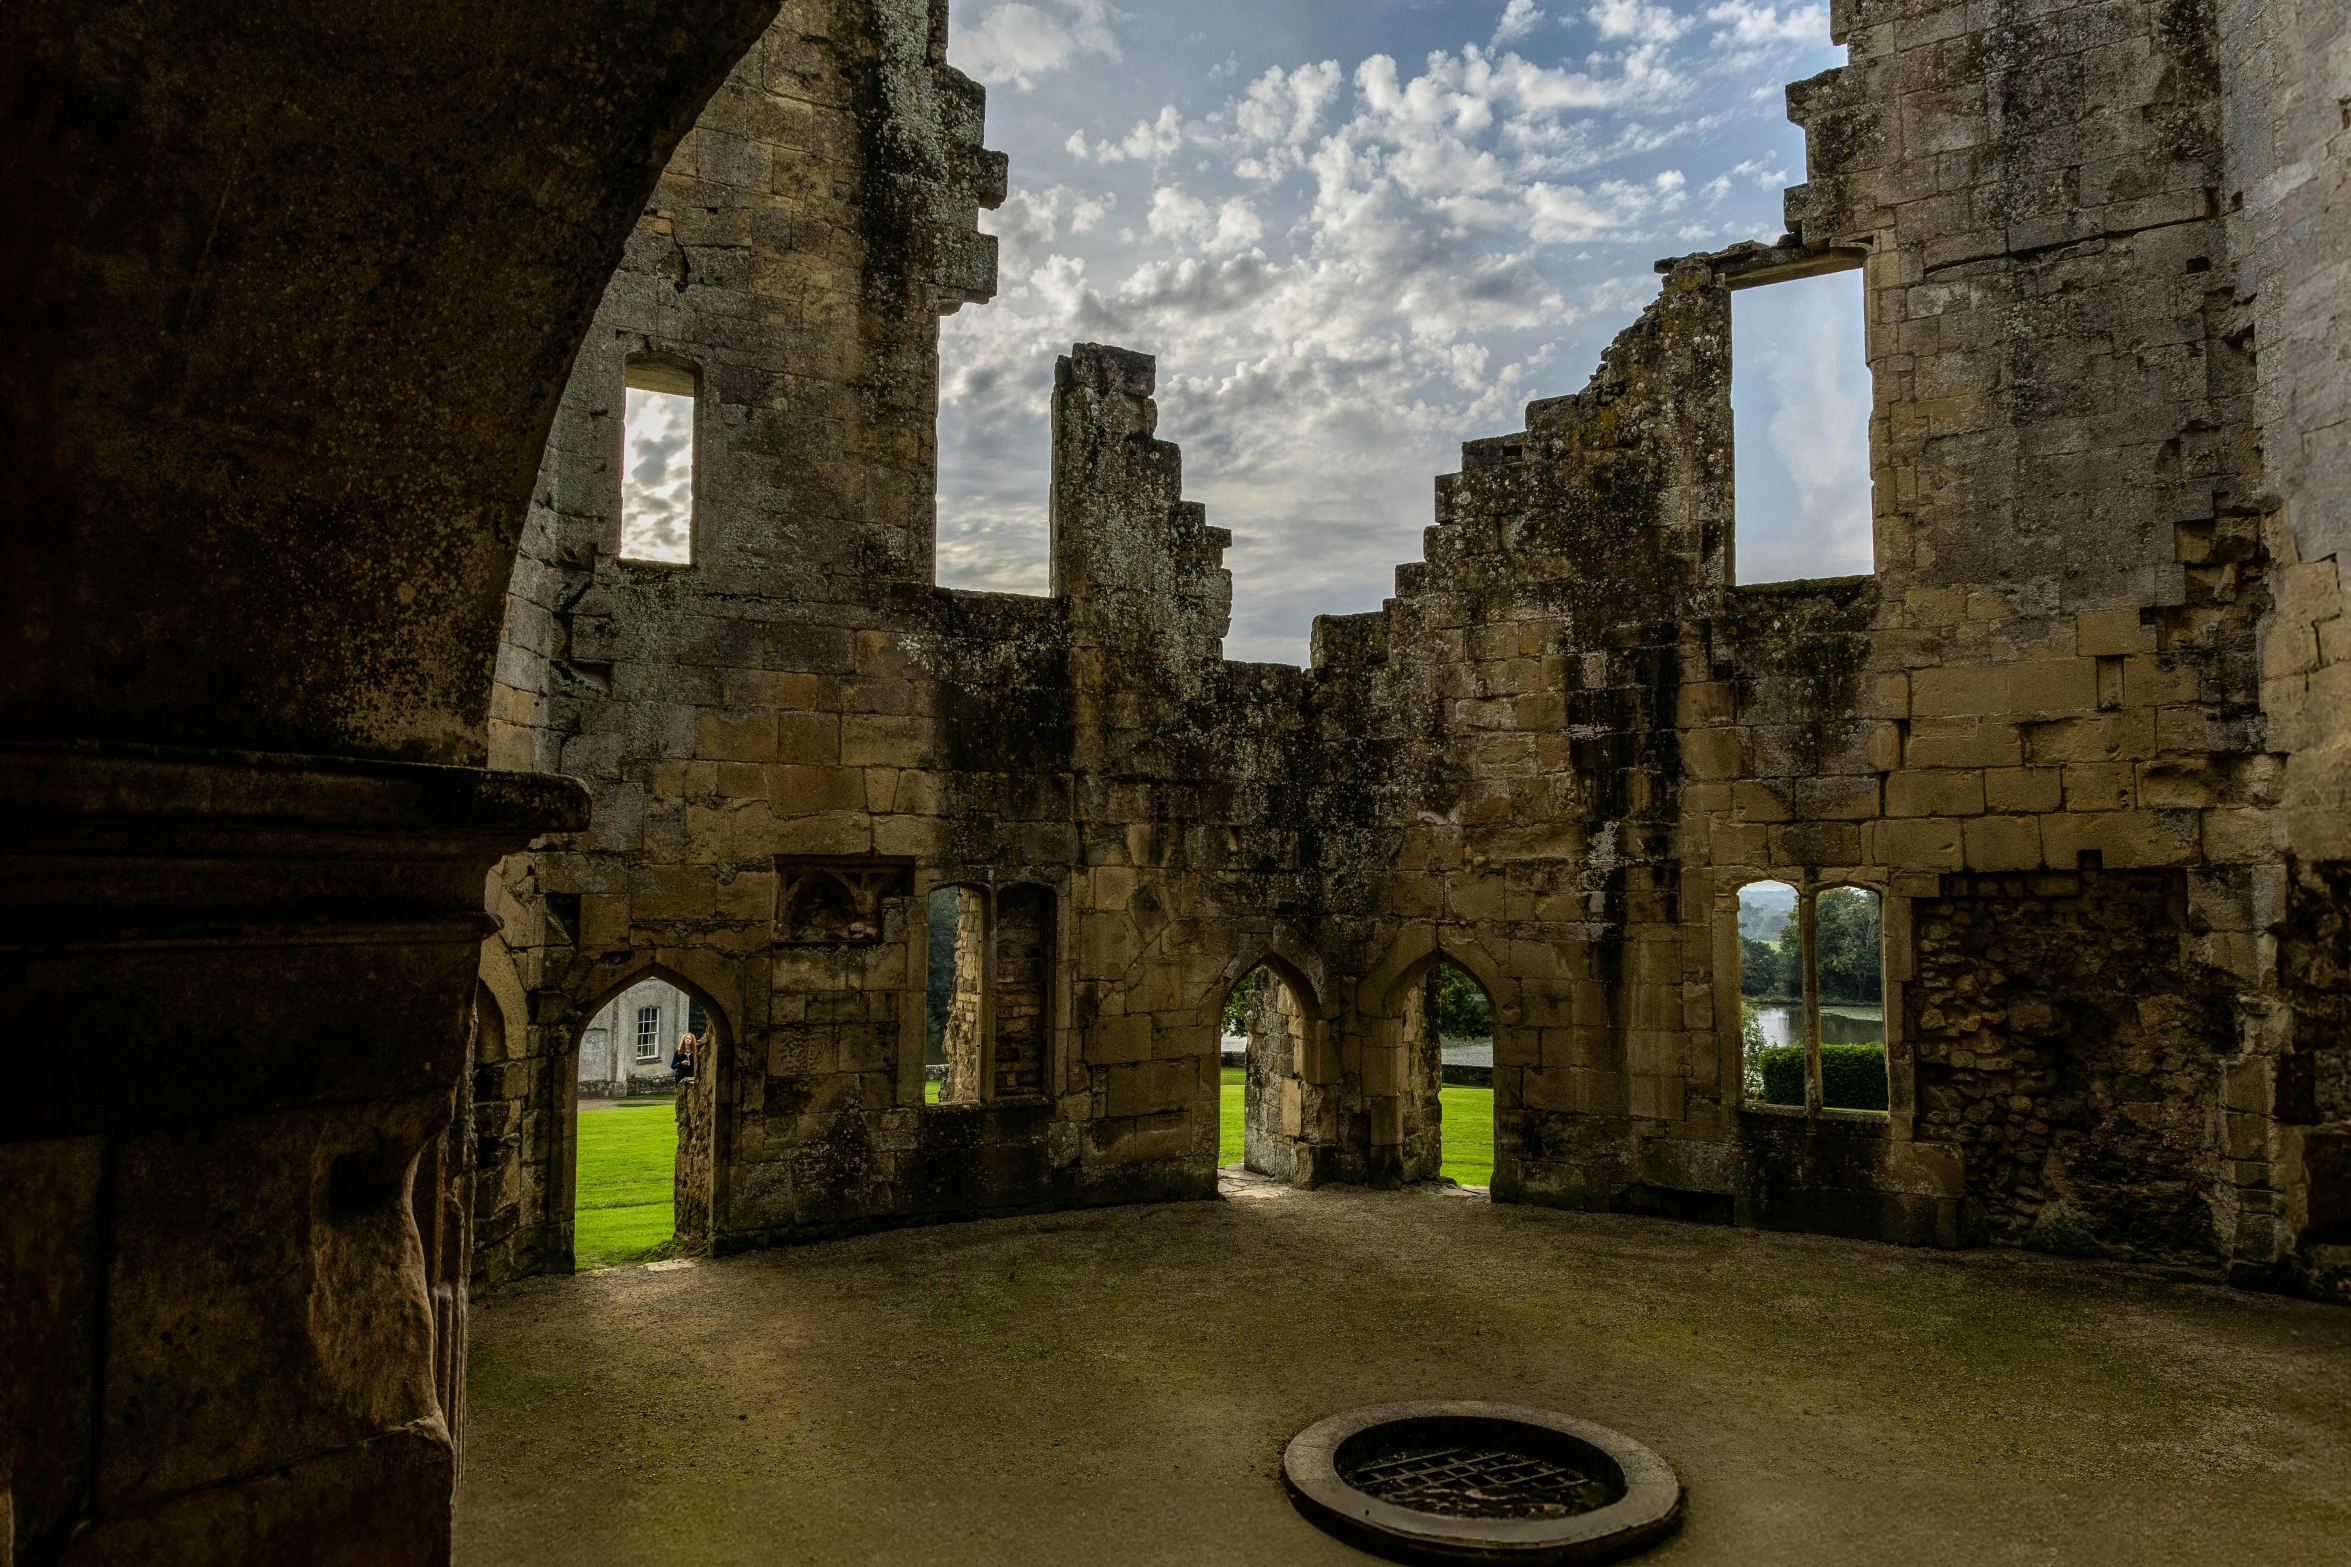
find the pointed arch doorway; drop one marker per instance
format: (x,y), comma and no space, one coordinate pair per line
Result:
(640,1131)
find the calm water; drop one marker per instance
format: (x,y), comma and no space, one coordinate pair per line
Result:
(1839,1025)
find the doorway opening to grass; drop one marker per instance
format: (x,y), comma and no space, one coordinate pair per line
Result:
(1428,1078)
(1270,1104)
(1463,1015)
(1444,1076)
(636,1052)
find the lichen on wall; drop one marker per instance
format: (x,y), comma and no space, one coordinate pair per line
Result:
(2057,731)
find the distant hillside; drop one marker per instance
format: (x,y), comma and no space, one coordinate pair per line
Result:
(1765,909)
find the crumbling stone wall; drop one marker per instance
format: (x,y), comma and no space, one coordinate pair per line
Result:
(2311,1093)
(2286,71)
(2069,1042)
(2055,730)
(1021,999)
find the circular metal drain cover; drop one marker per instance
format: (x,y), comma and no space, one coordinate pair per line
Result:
(1459,1481)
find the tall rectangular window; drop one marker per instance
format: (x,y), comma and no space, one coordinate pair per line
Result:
(958,997)
(1800,400)
(648,1033)
(1812,1003)
(657,465)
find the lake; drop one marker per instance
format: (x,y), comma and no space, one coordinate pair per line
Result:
(1840,1024)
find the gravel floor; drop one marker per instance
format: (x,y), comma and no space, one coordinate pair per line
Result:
(1115,1386)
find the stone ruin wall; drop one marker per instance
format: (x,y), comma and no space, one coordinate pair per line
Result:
(2079,729)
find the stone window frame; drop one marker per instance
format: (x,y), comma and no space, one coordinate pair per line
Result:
(644,368)
(1893,928)
(919,975)
(911,1076)
(1764,267)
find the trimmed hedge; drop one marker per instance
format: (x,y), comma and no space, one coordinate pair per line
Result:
(1852,1077)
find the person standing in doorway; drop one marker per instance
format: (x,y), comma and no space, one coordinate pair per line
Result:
(681,1065)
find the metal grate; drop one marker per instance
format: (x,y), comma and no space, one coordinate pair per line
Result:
(1477,1482)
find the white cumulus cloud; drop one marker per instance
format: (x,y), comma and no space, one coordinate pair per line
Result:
(1519,19)
(1015,42)
(1346,265)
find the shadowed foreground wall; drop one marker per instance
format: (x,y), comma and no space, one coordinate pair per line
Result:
(289,295)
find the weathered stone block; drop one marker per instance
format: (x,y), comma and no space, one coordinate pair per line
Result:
(2112,633)
(1923,845)
(2054,686)
(2028,790)
(2002,843)
(1962,743)
(1935,793)
(1960,691)
(2100,786)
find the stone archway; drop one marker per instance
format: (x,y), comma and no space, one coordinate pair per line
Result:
(292,296)
(1404,1070)
(1288,1097)
(695,1168)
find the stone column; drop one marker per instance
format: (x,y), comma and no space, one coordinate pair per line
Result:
(233,1242)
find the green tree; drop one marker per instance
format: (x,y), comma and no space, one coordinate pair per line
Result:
(1236,1002)
(1846,940)
(1769,969)
(1462,1007)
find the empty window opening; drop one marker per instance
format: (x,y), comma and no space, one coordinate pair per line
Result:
(633,1054)
(657,466)
(956,992)
(990,531)
(989,1002)
(1812,1024)
(1262,1093)
(1800,402)
(1465,1039)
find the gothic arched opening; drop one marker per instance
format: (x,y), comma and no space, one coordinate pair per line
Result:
(1438,1074)
(1266,1092)
(640,1127)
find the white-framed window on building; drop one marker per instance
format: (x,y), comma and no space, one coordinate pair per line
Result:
(648,1033)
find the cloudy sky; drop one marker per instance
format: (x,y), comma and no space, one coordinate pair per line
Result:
(1356,234)
(657,477)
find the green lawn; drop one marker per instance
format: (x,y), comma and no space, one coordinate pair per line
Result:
(1469,1130)
(627,1157)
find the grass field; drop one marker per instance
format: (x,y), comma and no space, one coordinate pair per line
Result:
(1469,1130)
(627,1155)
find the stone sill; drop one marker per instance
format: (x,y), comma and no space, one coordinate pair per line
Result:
(1866,1123)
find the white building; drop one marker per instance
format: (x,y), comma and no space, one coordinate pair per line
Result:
(626,1047)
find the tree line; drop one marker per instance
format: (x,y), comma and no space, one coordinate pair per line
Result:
(1846,937)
